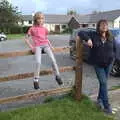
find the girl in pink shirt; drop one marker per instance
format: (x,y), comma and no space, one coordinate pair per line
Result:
(38,34)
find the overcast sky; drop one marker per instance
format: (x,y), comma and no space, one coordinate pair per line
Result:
(61,6)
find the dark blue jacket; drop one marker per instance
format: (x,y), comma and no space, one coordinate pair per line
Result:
(101,54)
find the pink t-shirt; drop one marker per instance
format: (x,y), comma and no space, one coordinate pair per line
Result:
(39,35)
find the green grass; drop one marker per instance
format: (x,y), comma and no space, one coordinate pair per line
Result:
(115,87)
(15,36)
(20,36)
(61,109)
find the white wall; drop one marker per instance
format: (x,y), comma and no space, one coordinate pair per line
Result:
(91,25)
(117,22)
(110,24)
(26,23)
(50,27)
(20,23)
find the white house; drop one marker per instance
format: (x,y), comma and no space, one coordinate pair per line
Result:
(90,20)
(54,23)
(57,23)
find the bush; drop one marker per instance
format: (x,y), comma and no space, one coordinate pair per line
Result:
(25,29)
(15,30)
(67,30)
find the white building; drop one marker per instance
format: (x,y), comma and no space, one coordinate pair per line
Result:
(90,20)
(57,23)
(54,23)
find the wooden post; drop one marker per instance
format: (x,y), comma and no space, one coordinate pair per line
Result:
(78,70)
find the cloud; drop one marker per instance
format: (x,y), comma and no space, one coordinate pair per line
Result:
(41,5)
(61,6)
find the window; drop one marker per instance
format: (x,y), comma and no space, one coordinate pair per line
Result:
(30,21)
(64,26)
(84,25)
(93,25)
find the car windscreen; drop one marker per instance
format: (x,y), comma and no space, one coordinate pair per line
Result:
(115,32)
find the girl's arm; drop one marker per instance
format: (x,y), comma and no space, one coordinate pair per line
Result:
(27,40)
(50,45)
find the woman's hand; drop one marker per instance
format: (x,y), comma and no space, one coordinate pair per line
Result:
(89,43)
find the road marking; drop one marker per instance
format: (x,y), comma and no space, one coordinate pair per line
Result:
(115,109)
(113,112)
(118,107)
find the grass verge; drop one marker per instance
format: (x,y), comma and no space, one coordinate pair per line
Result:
(15,36)
(60,109)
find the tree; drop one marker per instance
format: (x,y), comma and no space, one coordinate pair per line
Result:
(71,12)
(9,15)
(96,12)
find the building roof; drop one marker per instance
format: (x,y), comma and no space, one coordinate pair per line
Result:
(57,19)
(51,18)
(26,17)
(91,18)
(108,15)
(82,18)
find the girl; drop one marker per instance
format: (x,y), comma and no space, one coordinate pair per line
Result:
(102,47)
(38,33)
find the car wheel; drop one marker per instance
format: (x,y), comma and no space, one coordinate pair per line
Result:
(2,39)
(115,69)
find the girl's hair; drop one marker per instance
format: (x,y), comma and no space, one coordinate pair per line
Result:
(109,35)
(36,16)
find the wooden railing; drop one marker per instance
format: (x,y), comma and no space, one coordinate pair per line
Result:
(77,69)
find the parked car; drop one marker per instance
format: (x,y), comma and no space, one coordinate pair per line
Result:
(3,37)
(86,50)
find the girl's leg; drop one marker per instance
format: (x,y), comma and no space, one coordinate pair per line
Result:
(54,65)
(37,67)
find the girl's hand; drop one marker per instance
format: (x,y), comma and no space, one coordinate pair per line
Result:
(33,49)
(52,48)
(89,43)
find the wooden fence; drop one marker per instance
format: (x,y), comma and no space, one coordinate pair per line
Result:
(77,68)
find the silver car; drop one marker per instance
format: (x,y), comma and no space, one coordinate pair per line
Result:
(3,37)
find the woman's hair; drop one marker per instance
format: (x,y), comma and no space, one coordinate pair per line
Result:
(36,16)
(109,35)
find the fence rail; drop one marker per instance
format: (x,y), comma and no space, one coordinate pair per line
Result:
(77,69)
(34,95)
(28,75)
(29,52)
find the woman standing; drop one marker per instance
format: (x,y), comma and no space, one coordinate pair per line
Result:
(102,47)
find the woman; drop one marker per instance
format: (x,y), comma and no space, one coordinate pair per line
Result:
(102,51)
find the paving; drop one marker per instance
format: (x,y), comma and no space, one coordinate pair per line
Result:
(16,65)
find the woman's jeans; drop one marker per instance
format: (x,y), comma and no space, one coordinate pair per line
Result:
(102,75)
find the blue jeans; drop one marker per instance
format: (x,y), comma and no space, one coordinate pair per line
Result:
(102,75)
